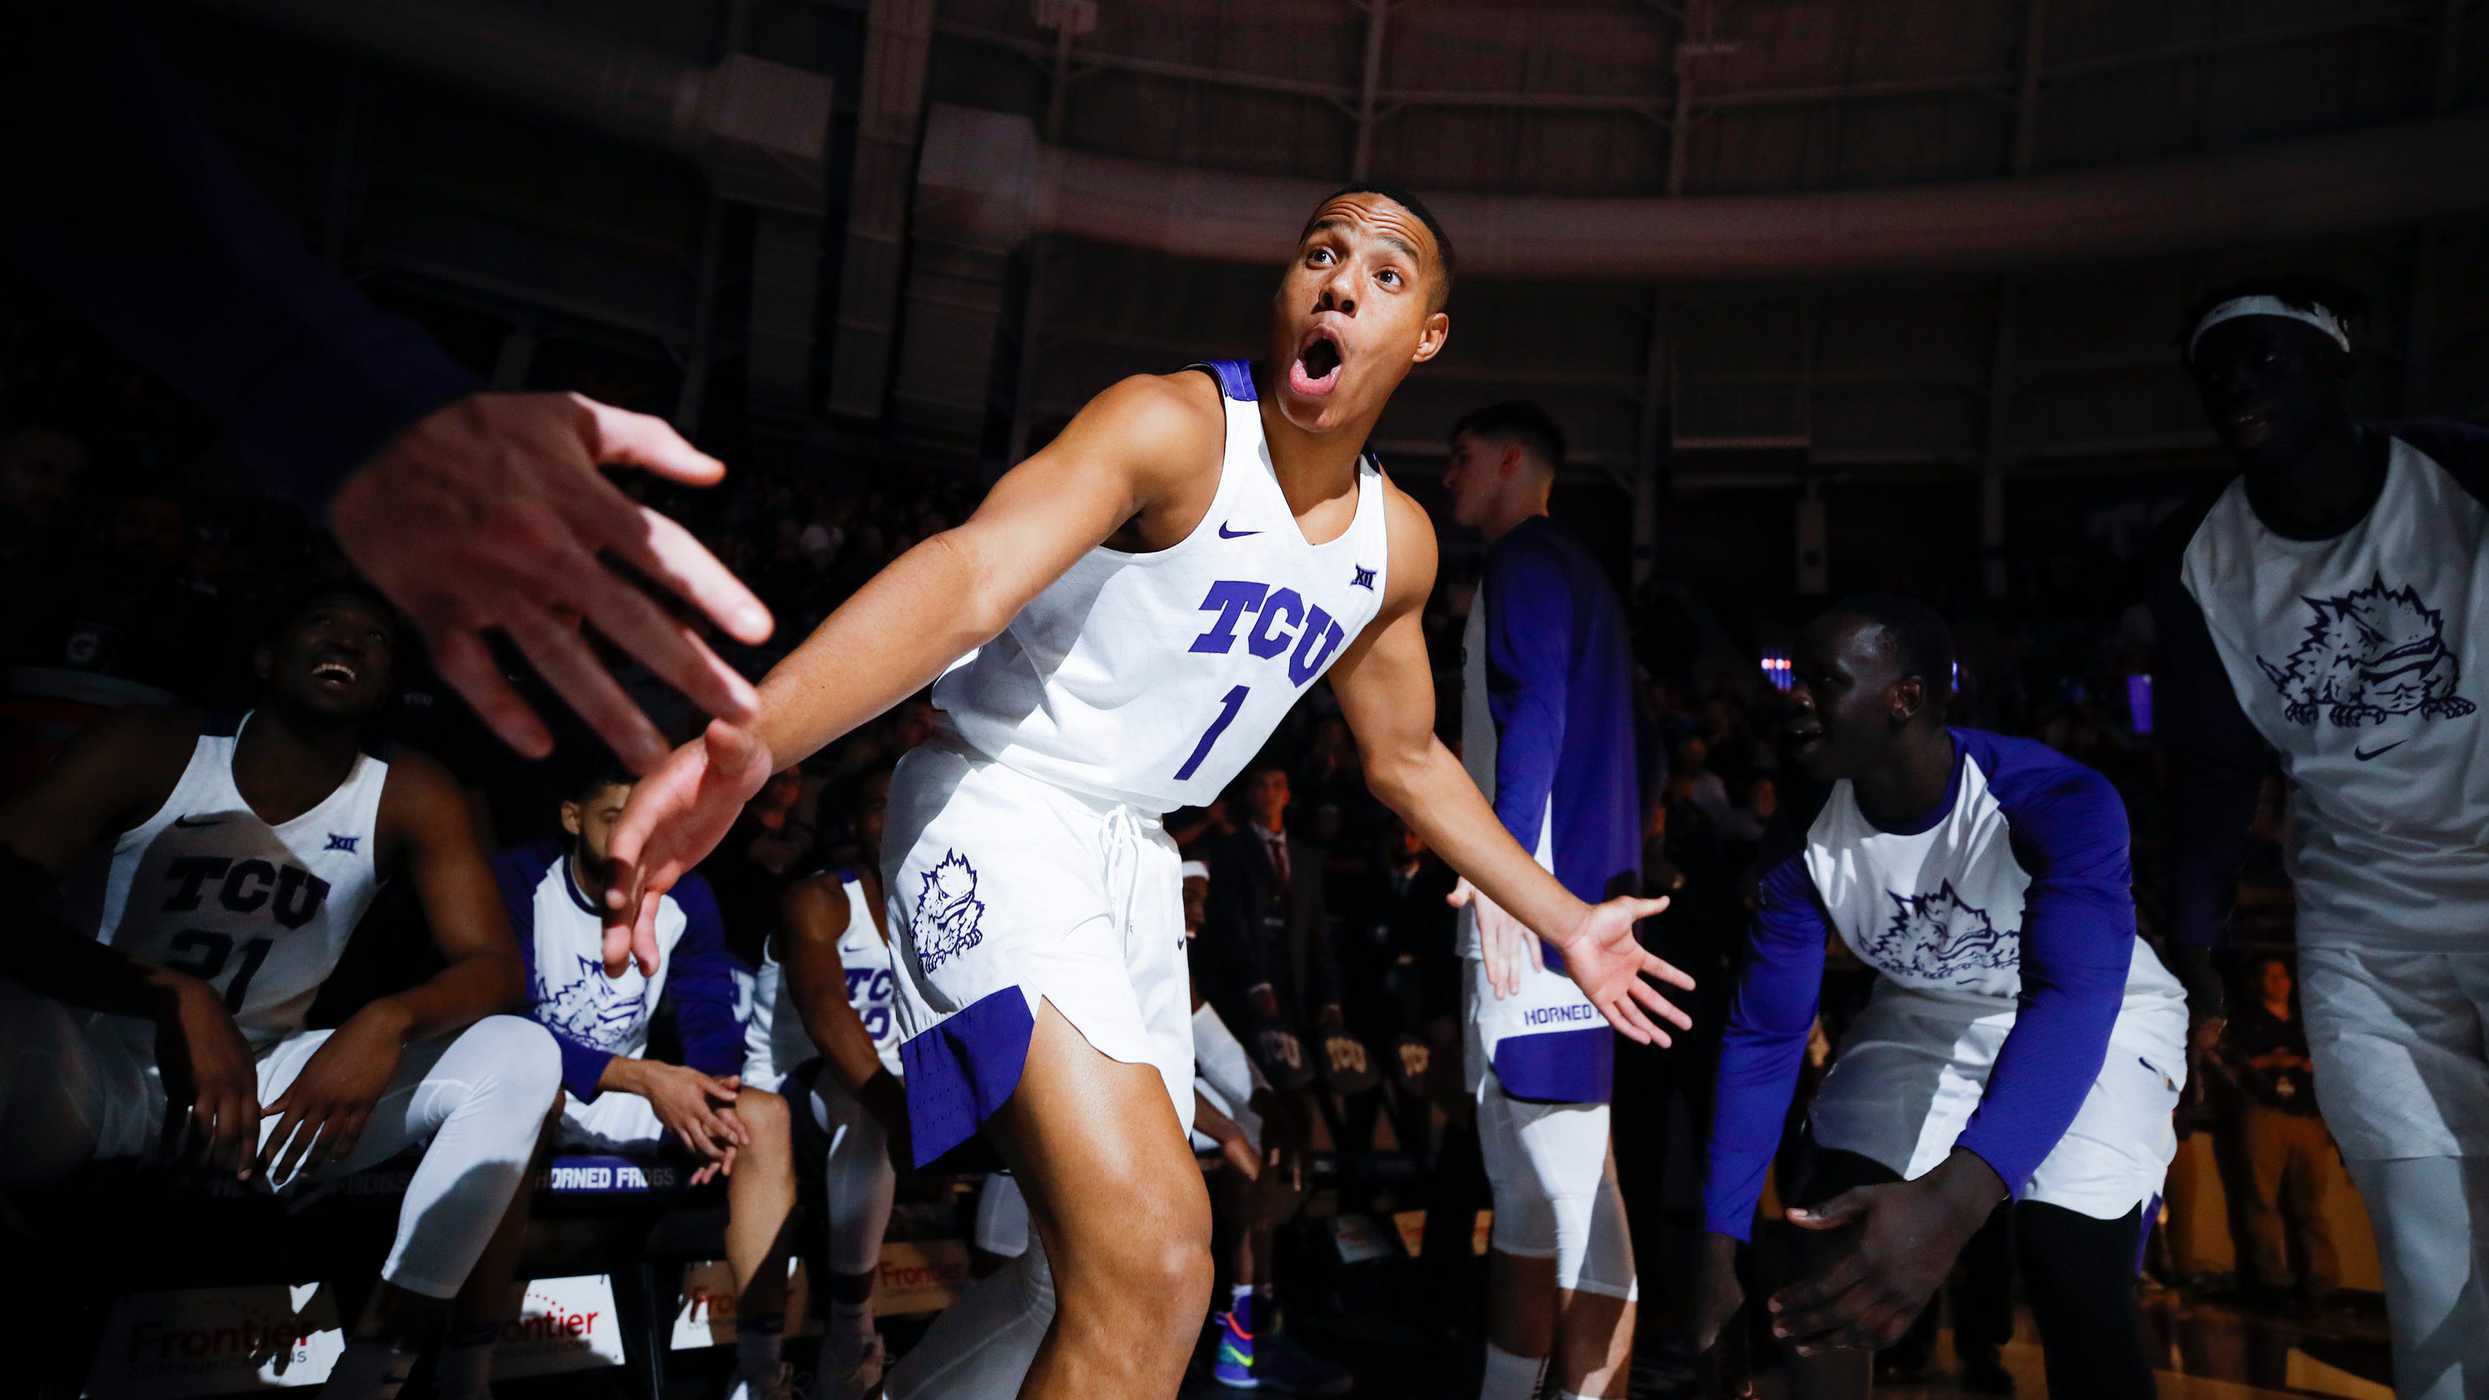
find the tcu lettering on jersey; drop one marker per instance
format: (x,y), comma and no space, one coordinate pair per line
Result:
(1281,616)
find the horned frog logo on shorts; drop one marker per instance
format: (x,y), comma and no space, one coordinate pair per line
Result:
(1939,938)
(947,911)
(2371,654)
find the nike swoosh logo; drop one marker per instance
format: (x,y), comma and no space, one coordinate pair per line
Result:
(2363,755)
(1227,534)
(196,821)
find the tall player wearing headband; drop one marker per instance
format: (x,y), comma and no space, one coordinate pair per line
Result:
(170,1016)
(1138,606)
(2325,609)
(1547,730)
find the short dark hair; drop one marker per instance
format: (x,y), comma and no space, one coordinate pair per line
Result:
(1922,642)
(595,774)
(2301,290)
(1519,421)
(299,596)
(1416,206)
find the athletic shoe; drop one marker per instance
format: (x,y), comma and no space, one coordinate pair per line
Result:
(1233,1366)
(1281,1365)
(861,1378)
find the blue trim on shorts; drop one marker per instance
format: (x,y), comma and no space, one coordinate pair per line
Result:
(1559,1066)
(962,1070)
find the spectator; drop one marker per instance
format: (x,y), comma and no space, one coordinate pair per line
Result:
(1268,955)
(1695,784)
(2288,1152)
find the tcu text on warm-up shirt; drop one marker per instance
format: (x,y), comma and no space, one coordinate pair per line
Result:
(2353,659)
(2002,933)
(1152,679)
(1547,734)
(260,912)
(594,1017)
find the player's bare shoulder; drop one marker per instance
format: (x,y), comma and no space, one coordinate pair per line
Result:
(818,902)
(1168,435)
(1410,534)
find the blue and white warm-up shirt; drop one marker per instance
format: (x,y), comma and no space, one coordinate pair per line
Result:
(594,1017)
(1547,734)
(2011,994)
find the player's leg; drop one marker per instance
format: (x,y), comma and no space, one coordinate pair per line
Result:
(760,1194)
(1521,1254)
(1122,1233)
(478,1100)
(859,1185)
(58,1085)
(1001,1231)
(1838,1373)
(2311,1159)
(2431,1255)
(489,1300)
(2080,1276)
(2402,1075)
(1595,1279)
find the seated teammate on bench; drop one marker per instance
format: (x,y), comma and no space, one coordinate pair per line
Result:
(166,1016)
(620,1100)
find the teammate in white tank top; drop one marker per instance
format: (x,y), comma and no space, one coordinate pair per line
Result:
(238,858)
(826,984)
(1144,599)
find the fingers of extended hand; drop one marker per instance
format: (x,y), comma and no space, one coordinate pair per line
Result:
(1631,1023)
(461,657)
(620,436)
(1660,969)
(561,654)
(672,556)
(644,934)
(1658,1005)
(1835,1212)
(1806,1312)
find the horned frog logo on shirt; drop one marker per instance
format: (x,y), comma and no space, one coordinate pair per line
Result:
(947,911)
(1939,938)
(2371,654)
(592,1008)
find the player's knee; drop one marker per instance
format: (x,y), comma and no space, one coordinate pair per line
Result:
(765,1115)
(525,1065)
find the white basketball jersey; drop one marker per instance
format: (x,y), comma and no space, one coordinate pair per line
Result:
(774,1037)
(1154,678)
(261,912)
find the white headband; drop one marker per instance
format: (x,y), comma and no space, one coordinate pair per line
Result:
(2318,316)
(1196,870)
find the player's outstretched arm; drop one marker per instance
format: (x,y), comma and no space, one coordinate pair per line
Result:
(950,594)
(811,916)
(1387,694)
(425,832)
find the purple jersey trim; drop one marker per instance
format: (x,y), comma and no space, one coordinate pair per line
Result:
(961,1071)
(1559,1067)
(1235,377)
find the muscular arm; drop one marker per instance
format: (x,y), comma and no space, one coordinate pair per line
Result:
(812,915)
(1778,991)
(2078,942)
(1387,694)
(117,773)
(426,832)
(1121,458)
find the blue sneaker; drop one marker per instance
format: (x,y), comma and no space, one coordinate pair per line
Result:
(1233,1367)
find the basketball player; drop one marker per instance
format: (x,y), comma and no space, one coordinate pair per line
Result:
(2320,609)
(619,1098)
(2021,1042)
(1144,600)
(822,1032)
(169,1016)
(1547,732)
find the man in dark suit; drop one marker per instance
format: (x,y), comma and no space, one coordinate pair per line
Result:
(1268,954)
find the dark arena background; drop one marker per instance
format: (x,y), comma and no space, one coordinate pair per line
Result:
(1826,297)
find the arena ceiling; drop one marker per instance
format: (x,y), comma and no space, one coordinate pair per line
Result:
(840,215)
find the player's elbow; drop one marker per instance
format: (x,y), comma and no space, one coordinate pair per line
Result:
(1397,773)
(986,600)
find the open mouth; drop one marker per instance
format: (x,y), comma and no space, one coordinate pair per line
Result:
(1803,738)
(1316,370)
(334,674)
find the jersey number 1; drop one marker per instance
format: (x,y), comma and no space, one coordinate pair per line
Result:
(213,951)
(1229,704)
